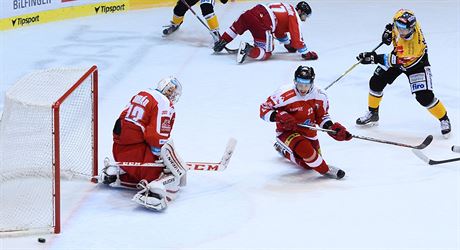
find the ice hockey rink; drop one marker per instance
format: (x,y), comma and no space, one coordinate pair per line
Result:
(389,198)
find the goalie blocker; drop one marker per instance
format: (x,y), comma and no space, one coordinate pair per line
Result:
(158,193)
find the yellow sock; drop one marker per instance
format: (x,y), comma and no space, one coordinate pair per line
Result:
(177,19)
(438,110)
(374,101)
(213,23)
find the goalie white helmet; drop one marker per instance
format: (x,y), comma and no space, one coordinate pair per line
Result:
(171,88)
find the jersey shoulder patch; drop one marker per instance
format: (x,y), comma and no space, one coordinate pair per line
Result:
(286,92)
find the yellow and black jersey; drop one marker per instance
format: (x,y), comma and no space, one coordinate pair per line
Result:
(409,52)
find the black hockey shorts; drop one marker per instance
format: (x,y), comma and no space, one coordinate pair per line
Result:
(419,77)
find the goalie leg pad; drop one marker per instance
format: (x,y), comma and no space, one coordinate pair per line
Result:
(156,194)
(173,162)
(145,197)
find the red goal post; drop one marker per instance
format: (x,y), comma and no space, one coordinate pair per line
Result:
(48,131)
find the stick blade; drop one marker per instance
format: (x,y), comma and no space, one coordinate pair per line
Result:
(425,142)
(228,152)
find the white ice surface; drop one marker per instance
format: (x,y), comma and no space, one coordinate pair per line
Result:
(389,199)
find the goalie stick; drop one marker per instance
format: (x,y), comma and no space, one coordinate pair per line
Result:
(423,145)
(425,158)
(197,166)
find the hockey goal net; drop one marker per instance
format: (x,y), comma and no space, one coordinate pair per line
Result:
(48,131)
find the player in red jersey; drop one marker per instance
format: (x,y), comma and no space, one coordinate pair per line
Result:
(302,103)
(141,135)
(266,22)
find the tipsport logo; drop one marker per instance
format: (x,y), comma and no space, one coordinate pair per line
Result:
(25,21)
(109,9)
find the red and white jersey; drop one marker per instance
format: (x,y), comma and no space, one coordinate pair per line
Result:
(287,21)
(311,109)
(154,114)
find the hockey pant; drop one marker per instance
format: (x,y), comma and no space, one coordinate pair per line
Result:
(303,151)
(129,146)
(419,77)
(207,10)
(258,22)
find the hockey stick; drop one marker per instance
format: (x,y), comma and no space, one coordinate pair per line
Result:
(425,158)
(455,149)
(423,145)
(230,51)
(198,166)
(352,67)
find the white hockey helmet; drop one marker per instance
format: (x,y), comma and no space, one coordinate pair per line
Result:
(171,88)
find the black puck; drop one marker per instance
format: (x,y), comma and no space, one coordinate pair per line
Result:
(41,240)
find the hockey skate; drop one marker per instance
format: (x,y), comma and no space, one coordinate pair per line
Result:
(371,118)
(170,28)
(243,52)
(445,128)
(280,149)
(215,35)
(334,172)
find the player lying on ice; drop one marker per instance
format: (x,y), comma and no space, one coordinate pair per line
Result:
(141,135)
(302,103)
(266,22)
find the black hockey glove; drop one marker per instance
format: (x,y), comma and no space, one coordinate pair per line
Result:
(366,57)
(220,45)
(224,1)
(387,35)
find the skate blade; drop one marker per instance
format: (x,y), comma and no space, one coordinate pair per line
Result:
(367,125)
(446,136)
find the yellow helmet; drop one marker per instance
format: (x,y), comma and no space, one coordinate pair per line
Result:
(405,22)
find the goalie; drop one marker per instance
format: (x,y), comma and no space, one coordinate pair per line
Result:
(141,135)
(302,103)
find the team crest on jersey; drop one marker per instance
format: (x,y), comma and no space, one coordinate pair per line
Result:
(307,122)
(165,125)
